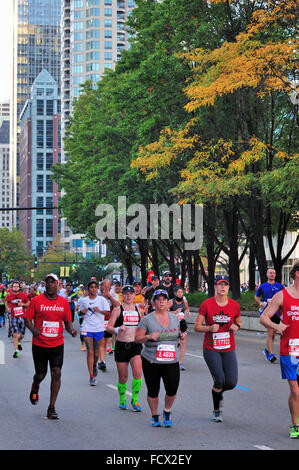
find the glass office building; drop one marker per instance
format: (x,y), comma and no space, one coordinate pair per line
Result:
(36,46)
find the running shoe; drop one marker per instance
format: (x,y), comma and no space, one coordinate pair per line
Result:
(156,422)
(51,413)
(123,406)
(182,367)
(20,347)
(92,382)
(294,432)
(102,366)
(109,351)
(167,419)
(217,416)
(269,357)
(34,396)
(15,354)
(136,406)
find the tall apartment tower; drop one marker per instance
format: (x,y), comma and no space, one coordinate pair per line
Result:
(40,148)
(5,177)
(36,45)
(93,34)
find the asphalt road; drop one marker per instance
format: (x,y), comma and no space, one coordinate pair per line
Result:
(256,415)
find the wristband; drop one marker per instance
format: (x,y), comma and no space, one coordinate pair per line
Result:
(116,330)
(237,324)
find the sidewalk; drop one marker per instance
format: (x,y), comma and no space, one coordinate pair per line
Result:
(250,320)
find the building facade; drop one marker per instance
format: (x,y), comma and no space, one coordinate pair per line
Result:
(36,45)
(93,35)
(5,176)
(40,148)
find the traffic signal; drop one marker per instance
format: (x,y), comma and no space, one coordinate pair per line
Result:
(35,261)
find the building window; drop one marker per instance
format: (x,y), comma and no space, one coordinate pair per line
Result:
(40,228)
(39,203)
(49,134)
(50,107)
(92,56)
(108,11)
(92,67)
(49,161)
(49,227)
(108,55)
(94,23)
(49,184)
(39,161)
(40,134)
(94,33)
(108,33)
(40,183)
(108,44)
(40,107)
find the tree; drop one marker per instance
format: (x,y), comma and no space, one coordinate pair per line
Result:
(14,258)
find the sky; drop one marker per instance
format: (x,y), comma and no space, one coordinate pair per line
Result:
(6,23)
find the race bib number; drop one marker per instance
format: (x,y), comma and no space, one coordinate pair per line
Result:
(131,317)
(50,329)
(294,347)
(221,340)
(165,353)
(18,311)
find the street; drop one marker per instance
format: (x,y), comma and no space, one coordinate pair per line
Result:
(256,414)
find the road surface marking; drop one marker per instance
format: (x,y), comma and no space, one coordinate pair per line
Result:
(263,447)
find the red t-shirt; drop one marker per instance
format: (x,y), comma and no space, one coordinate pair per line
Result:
(48,316)
(224,339)
(12,299)
(289,340)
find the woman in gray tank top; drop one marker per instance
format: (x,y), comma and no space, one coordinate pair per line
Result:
(158,332)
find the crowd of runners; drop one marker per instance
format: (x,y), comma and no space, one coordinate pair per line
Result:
(146,329)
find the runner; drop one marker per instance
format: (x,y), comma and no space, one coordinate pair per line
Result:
(105,291)
(80,314)
(179,306)
(45,317)
(222,318)
(15,303)
(263,297)
(3,295)
(94,308)
(159,332)
(167,284)
(123,322)
(149,294)
(139,297)
(71,297)
(287,301)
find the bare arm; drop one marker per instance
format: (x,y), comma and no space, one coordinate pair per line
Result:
(268,313)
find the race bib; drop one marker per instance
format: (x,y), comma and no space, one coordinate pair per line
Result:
(50,329)
(131,317)
(294,347)
(18,311)
(221,340)
(165,353)
(180,316)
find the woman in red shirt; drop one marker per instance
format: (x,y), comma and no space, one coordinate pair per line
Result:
(219,317)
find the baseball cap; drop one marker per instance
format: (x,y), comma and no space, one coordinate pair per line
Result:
(221,278)
(160,292)
(136,283)
(166,273)
(155,278)
(53,276)
(126,289)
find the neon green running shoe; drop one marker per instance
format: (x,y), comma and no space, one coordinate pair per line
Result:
(294,432)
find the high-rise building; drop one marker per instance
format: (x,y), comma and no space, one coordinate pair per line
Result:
(36,45)
(93,34)
(40,148)
(5,177)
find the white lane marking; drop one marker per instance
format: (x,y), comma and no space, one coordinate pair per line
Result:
(193,355)
(115,388)
(263,447)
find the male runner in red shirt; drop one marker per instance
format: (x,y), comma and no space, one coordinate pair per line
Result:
(15,303)
(287,302)
(45,317)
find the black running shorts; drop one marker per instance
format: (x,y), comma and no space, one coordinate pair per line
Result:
(42,356)
(124,352)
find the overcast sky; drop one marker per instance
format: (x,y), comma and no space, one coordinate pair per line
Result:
(6,23)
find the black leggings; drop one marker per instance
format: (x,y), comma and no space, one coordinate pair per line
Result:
(223,367)
(170,374)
